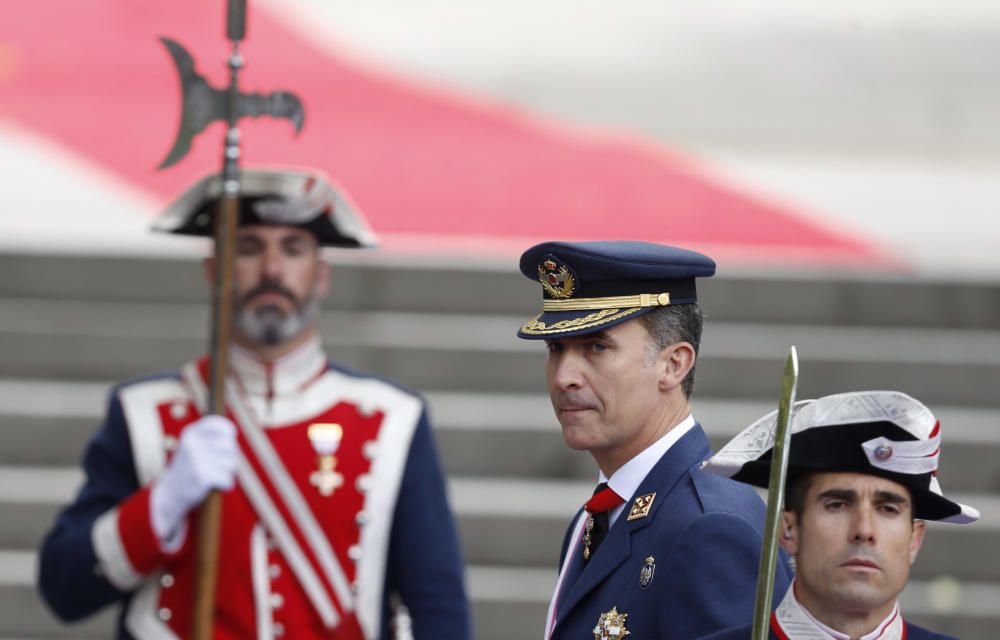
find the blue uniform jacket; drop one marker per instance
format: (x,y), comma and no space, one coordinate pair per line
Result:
(424,562)
(703,533)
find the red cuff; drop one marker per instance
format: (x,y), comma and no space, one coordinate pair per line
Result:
(135,527)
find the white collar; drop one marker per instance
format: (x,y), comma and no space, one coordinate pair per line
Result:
(626,480)
(289,373)
(798,624)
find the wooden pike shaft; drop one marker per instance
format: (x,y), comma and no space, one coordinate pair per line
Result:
(775,498)
(210,512)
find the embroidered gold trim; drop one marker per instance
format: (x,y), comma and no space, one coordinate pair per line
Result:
(537,327)
(612,302)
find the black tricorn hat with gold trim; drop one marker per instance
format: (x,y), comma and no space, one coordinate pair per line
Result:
(290,197)
(590,286)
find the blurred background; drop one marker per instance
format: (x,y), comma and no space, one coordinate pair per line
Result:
(838,160)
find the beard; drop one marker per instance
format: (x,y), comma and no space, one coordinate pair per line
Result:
(270,325)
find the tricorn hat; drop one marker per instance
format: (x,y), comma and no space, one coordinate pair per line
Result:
(881,433)
(273,196)
(590,286)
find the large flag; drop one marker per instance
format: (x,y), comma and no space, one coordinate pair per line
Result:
(433,170)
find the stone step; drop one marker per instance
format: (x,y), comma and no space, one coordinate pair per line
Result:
(360,282)
(515,522)
(507,602)
(88,319)
(87,341)
(373,282)
(504,521)
(49,423)
(520,438)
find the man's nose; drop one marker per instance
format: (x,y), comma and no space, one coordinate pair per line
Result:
(566,373)
(272,263)
(863,526)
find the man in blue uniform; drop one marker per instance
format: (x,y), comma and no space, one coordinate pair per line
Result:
(861,480)
(661,550)
(332,494)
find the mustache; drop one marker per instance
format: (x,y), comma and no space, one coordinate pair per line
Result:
(269,286)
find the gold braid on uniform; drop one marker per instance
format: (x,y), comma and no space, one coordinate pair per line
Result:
(537,327)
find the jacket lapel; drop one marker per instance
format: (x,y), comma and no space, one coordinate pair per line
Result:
(572,564)
(674,465)
(615,548)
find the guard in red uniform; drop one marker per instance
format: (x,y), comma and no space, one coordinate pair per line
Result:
(333,495)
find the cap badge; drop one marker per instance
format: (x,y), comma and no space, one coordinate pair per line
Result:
(556,279)
(646,573)
(611,626)
(325,439)
(883,452)
(641,507)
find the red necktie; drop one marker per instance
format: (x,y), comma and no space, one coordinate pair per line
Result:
(603,501)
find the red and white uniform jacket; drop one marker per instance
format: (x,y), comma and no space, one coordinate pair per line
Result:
(320,527)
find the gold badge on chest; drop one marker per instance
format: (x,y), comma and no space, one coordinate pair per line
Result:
(325,439)
(611,625)
(641,506)
(647,572)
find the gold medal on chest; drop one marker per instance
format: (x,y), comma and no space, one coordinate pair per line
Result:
(325,439)
(586,536)
(611,626)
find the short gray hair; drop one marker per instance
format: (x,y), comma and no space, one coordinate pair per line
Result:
(672,324)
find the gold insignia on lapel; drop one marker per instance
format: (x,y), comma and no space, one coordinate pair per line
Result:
(325,439)
(641,506)
(557,281)
(646,573)
(611,626)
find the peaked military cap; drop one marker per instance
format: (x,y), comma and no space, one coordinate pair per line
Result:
(881,433)
(273,196)
(590,286)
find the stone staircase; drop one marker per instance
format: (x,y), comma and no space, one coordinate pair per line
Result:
(70,326)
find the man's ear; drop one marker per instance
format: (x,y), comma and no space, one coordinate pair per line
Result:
(789,536)
(677,361)
(916,538)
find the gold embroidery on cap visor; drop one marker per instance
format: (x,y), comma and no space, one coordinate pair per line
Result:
(537,327)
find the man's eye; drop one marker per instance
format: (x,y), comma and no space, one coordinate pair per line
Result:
(891,509)
(835,505)
(553,347)
(247,248)
(598,346)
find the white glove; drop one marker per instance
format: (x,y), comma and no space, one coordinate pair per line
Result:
(205,459)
